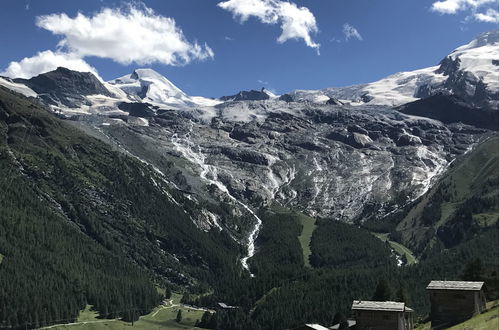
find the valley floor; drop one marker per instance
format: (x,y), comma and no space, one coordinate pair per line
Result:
(162,317)
(398,248)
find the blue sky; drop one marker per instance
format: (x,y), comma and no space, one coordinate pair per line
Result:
(216,53)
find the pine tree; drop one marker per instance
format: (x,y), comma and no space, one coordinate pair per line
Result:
(179,316)
(473,270)
(400,295)
(383,291)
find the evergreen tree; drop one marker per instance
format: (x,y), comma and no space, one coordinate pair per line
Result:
(383,291)
(400,295)
(473,271)
(339,318)
(179,316)
(168,292)
(343,325)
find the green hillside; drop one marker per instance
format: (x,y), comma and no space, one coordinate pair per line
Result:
(488,320)
(163,316)
(83,224)
(464,202)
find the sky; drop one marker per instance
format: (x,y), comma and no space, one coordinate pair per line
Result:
(219,47)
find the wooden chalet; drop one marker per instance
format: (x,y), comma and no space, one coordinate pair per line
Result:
(382,315)
(453,302)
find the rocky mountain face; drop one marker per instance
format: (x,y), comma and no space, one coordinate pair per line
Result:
(452,109)
(345,154)
(331,161)
(65,87)
(469,72)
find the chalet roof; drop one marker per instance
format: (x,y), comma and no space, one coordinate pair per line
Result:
(389,306)
(316,327)
(455,285)
(351,324)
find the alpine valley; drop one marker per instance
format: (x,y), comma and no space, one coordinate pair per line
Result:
(116,194)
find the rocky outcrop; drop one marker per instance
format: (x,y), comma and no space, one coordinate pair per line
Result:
(286,98)
(334,101)
(66,87)
(137,109)
(252,95)
(453,109)
(325,160)
(463,84)
(245,155)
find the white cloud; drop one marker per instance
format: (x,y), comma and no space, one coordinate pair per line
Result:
(453,6)
(296,22)
(130,35)
(263,82)
(490,16)
(46,61)
(350,32)
(476,7)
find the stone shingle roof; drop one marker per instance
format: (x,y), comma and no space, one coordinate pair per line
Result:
(390,306)
(455,285)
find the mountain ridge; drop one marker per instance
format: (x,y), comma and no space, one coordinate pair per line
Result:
(188,196)
(469,71)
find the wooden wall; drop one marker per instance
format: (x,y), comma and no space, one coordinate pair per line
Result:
(450,307)
(380,320)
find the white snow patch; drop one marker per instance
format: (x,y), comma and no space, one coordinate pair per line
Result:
(19,88)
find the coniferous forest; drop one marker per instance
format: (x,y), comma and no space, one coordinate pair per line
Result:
(84,224)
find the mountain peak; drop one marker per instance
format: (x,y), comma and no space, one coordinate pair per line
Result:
(147,85)
(146,73)
(484,39)
(65,87)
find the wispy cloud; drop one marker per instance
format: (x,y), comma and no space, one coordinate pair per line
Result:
(229,38)
(489,16)
(263,82)
(351,33)
(296,22)
(480,10)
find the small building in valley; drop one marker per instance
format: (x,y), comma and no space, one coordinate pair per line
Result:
(453,302)
(382,315)
(224,306)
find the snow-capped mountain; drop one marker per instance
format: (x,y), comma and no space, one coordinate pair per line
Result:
(146,85)
(252,149)
(470,71)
